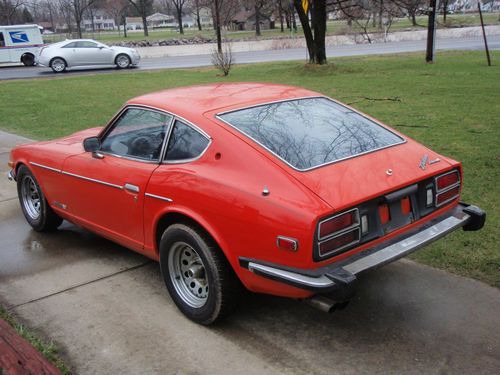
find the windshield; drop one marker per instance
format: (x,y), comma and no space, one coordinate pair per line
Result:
(307,133)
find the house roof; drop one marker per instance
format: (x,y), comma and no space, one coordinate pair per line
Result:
(159,17)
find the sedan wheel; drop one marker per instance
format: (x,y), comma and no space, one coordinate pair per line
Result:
(33,203)
(58,65)
(122,61)
(198,276)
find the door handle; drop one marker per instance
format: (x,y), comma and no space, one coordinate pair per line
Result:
(131,188)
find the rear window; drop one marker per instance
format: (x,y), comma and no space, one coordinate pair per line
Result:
(307,133)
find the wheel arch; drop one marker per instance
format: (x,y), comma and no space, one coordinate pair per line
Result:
(124,54)
(169,218)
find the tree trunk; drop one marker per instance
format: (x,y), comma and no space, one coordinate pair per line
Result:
(198,20)
(304,20)
(280,15)
(257,19)
(380,13)
(319,11)
(217,26)
(145,23)
(413,18)
(179,20)
(294,23)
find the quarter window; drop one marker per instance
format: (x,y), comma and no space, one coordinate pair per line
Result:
(138,133)
(185,143)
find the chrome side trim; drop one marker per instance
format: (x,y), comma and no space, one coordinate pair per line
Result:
(93,180)
(10,176)
(408,245)
(45,167)
(403,140)
(158,197)
(314,282)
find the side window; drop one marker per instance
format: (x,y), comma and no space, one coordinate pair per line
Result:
(138,133)
(2,40)
(70,45)
(86,44)
(185,143)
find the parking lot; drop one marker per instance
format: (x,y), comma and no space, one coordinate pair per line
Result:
(108,310)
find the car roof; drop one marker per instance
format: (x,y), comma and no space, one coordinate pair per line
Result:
(220,97)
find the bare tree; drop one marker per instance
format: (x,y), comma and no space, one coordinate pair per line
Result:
(8,9)
(223,59)
(179,5)
(117,9)
(142,7)
(196,6)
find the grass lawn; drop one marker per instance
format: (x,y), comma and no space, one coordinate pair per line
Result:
(333,28)
(48,349)
(452,106)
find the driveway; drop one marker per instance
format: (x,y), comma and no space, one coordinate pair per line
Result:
(108,310)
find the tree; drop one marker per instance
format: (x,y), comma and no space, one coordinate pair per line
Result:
(9,9)
(196,6)
(314,32)
(118,10)
(179,5)
(142,7)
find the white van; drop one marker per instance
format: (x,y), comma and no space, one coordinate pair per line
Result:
(20,43)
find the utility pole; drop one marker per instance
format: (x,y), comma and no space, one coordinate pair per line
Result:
(431,31)
(484,34)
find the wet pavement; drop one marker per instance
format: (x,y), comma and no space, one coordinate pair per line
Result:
(108,310)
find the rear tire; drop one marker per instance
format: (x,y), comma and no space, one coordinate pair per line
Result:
(198,277)
(35,208)
(58,65)
(28,59)
(122,61)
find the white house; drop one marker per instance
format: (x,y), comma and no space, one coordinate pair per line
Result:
(101,22)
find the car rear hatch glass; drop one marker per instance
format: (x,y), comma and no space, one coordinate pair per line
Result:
(311,132)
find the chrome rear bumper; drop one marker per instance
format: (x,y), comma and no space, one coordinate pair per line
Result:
(10,176)
(341,275)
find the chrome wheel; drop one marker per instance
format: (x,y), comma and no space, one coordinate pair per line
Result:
(122,61)
(187,273)
(58,65)
(31,197)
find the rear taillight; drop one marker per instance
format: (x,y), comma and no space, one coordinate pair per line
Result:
(447,187)
(338,232)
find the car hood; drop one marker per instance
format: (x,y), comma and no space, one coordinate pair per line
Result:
(349,182)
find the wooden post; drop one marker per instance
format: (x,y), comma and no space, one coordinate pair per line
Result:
(484,34)
(431,31)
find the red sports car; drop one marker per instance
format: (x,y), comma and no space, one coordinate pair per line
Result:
(273,188)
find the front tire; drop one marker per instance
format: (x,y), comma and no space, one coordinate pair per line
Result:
(35,208)
(198,277)
(58,65)
(122,61)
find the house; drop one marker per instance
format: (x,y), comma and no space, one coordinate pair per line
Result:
(245,20)
(99,21)
(134,23)
(157,20)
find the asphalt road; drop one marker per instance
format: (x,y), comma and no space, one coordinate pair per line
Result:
(109,312)
(266,56)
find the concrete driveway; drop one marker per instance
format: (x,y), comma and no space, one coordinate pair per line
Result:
(108,310)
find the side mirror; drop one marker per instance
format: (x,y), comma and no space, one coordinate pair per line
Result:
(91,144)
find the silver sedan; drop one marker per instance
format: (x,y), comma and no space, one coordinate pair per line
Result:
(83,53)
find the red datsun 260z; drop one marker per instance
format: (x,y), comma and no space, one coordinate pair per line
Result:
(275,188)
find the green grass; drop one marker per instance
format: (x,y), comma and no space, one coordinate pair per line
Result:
(333,28)
(47,349)
(452,106)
